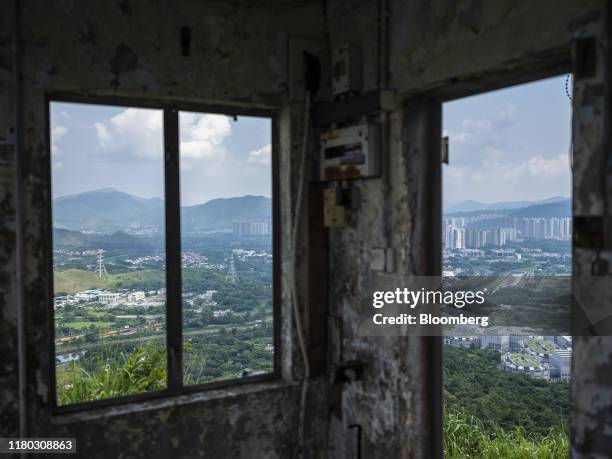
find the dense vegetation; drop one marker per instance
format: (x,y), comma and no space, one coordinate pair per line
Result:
(232,353)
(115,369)
(490,413)
(466,437)
(113,374)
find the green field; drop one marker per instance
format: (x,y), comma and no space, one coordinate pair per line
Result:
(76,280)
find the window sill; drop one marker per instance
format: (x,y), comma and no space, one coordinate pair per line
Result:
(160,402)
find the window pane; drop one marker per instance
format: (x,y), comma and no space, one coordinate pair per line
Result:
(226,186)
(507,225)
(108,251)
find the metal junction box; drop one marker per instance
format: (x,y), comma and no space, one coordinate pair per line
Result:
(346,70)
(350,152)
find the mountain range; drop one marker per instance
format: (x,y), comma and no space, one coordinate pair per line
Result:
(470,206)
(110,210)
(549,209)
(543,209)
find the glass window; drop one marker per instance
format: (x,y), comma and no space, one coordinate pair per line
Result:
(140,307)
(226,244)
(109,273)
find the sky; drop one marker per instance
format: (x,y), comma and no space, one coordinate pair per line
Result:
(506,145)
(97,146)
(509,145)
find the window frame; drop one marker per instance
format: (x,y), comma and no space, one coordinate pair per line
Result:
(174,343)
(549,67)
(427,98)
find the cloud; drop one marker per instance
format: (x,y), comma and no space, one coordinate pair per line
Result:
(104,136)
(261,156)
(134,132)
(479,132)
(471,125)
(138,133)
(500,179)
(202,135)
(507,114)
(541,168)
(58,132)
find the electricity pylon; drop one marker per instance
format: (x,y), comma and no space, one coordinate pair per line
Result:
(100,266)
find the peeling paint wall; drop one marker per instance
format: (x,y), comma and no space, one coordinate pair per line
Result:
(131,48)
(9,364)
(591,429)
(441,50)
(435,49)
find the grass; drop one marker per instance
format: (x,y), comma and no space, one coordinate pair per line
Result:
(116,374)
(76,280)
(524,360)
(541,346)
(466,437)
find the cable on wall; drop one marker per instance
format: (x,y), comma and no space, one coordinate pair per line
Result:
(294,256)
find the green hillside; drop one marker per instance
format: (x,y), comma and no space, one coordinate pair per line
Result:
(474,385)
(76,280)
(106,210)
(220,213)
(75,240)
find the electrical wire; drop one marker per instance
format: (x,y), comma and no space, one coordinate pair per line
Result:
(294,256)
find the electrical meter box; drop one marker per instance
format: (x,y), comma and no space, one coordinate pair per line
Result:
(350,152)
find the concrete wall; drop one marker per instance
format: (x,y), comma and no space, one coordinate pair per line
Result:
(434,49)
(9,361)
(132,48)
(443,50)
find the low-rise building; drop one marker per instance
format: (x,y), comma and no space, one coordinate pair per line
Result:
(497,342)
(526,364)
(221,312)
(136,296)
(462,341)
(561,365)
(108,297)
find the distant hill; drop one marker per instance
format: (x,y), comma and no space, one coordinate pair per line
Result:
(558,209)
(221,213)
(552,209)
(471,206)
(75,240)
(109,210)
(106,210)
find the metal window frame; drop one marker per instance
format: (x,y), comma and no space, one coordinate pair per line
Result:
(174,325)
